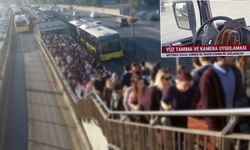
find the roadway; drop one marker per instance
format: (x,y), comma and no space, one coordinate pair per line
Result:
(15,110)
(147,41)
(35,116)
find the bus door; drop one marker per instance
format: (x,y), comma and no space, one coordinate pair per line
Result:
(98,49)
(78,37)
(91,43)
(82,38)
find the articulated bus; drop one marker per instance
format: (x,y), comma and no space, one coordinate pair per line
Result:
(105,43)
(74,28)
(21,23)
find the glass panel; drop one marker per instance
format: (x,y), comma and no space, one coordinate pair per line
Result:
(111,44)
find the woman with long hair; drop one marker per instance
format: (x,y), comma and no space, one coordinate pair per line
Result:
(139,99)
(163,80)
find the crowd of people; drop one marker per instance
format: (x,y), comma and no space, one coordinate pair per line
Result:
(79,67)
(213,83)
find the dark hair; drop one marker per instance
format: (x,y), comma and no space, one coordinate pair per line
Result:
(185,76)
(180,70)
(134,64)
(135,78)
(117,86)
(196,61)
(143,63)
(157,65)
(206,58)
(127,67)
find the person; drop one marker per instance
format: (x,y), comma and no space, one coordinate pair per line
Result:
(136,68)
(241,64)
(107,92)
(126,77)
(145,69)
(220,85)
(179,71)
(116,98)
(87,86)
(139,98)
(196,65)
(97,84)
(79,91)
(115,78)
(179,97)
(156,67)
(163,81)
(205,63)
(126,93)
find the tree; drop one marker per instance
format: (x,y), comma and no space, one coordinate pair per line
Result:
(135,3)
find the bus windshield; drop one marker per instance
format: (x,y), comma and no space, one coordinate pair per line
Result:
(110,44)
(21,23)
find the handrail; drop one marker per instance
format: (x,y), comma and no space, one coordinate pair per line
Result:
(232,113)
(207,112)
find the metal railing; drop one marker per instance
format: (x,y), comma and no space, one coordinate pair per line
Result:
(210,112)
(130,135)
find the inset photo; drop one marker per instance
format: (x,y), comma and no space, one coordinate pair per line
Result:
(197,28)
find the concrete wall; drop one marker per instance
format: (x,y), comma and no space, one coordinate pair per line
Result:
(5,53)
(5,61)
